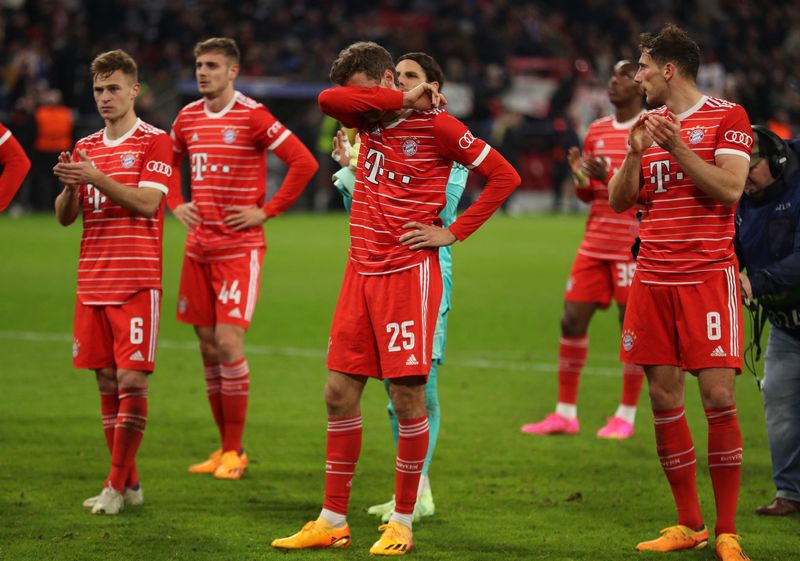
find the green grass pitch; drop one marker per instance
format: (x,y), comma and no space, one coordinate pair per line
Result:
(499,494)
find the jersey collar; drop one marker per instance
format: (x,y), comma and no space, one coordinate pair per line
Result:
(112,143)
(693,108)
(224,110)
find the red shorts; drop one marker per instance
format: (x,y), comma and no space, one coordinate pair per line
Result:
(383,325)
(122,336)
(599,280)
(224,291)
(691,326)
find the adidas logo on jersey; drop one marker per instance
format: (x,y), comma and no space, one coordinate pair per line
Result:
(719,351)
(194,138)
(235,313)
(137,356)
(412,361)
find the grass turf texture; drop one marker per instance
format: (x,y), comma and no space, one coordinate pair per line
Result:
(499,494)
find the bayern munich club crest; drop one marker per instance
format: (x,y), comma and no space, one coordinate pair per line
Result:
(696,135)
(628,339)
(229,135)
(410,147)
(128,160)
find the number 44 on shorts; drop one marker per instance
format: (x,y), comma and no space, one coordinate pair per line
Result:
(233,293)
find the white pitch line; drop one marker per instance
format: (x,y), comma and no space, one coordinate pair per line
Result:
(483,364)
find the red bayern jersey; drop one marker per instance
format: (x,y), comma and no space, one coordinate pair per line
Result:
(228,167)
(121,249)
(402,174)
(686,234)
(608,235)
(15,164)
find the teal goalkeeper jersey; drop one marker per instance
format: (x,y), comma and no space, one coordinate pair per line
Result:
(345,179)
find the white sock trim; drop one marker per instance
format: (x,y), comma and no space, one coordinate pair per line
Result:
(333,518)
(404,519)
(626,412)
(567,410)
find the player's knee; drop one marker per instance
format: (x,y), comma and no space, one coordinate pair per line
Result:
(717,397)
(338,400)
(662,397)
(127,379)
(229,346)
(571,326)
(106,380)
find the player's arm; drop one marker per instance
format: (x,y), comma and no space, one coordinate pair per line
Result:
(624,186)
(457,143)
(68,202)
(15,167)
(187,213)
(348,104)
(270,134)
(723,180)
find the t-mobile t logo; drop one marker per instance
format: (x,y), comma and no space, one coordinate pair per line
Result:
(199,160)
(373,164)
(659,173)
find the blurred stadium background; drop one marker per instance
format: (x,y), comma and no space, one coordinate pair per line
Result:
(528,76)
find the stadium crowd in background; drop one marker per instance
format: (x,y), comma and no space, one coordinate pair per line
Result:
(750,52)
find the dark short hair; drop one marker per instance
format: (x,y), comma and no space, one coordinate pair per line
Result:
(363,56)
(433,72)
(672,44)
(105,64)
(223,45)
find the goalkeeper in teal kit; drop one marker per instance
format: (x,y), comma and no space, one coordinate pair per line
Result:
(412,69)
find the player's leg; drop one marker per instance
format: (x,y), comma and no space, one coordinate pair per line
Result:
(351,347)
(572,352)
(406,311)
(678,460)
(649,338)
(408,397)
(718,394)
(235,391)
(196,301)
(425,505)
(711,327)
(134,326)
(236,285)
(620,426)
(330,529)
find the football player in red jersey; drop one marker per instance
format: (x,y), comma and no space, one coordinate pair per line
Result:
(117,178)
(15,167)
(603,269)
(226,134)
(384,320)
(687,164)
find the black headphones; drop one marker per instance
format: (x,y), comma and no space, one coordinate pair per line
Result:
(775,153)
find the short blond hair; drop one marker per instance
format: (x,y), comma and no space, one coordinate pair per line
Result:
(105,64)
(224,45)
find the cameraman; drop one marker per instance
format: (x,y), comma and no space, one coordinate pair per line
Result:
(768,245)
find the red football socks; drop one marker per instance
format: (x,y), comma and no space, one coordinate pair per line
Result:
(128,433)
(412,447)
(235,389)
(109,407)
(213,375)
(572,353)
(344,447)
(632,379)
(677,455)
(724,464)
